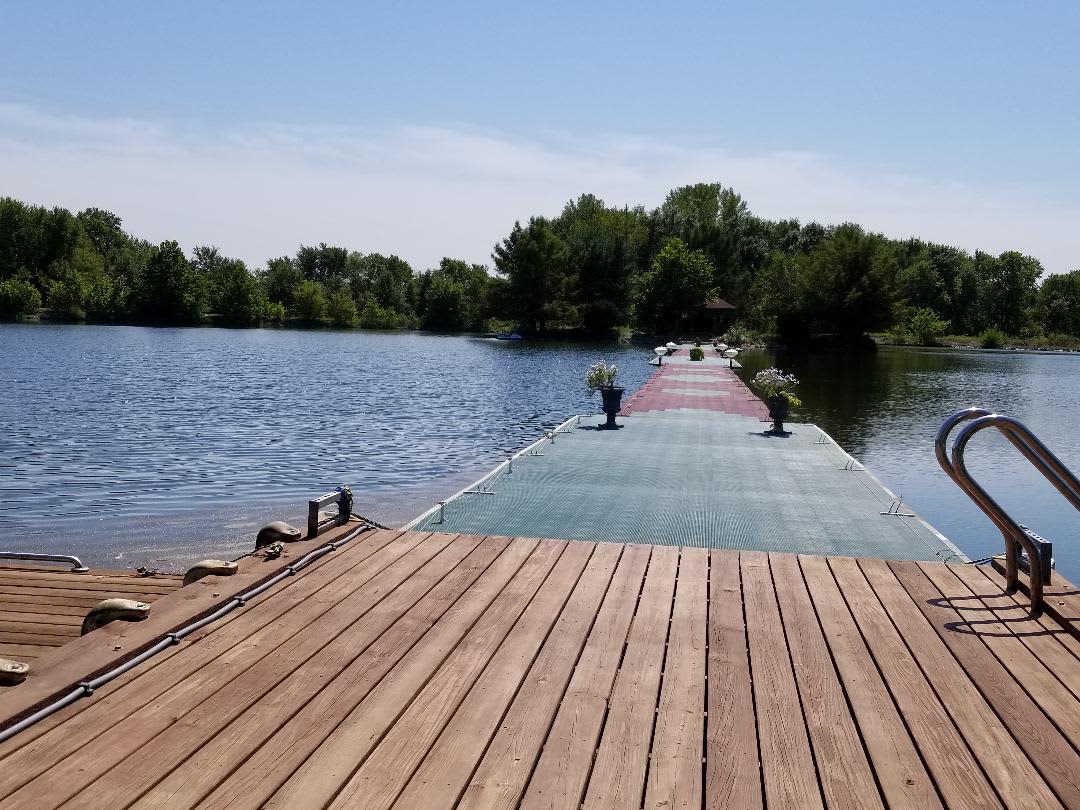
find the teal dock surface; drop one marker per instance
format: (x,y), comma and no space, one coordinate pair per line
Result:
(690,466)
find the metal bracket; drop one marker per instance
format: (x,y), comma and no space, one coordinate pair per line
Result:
(342,496)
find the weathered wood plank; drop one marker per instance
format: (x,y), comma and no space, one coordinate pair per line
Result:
(281,730)
(449,764)
(675,773)
(618,775)
(57,671)
(957,773)
(1031,633)
(566,760)
(787,764)
(207,644)
(897,764)
(324,645)
(1001,637)
(494,668)
(733,767)
(291,673)
(1047,620)
(62,751)
(502,774)
(408,654)
(332,766)
(846,777)
(1008,768)
(1051,754)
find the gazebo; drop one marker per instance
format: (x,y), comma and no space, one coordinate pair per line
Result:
(716,314)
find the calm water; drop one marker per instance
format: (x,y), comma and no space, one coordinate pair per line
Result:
(158,446)
(885,410)
(137,446)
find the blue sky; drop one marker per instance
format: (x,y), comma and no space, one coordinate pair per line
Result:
(425,129)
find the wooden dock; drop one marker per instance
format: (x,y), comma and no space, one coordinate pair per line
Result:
(420,670)
(43,607)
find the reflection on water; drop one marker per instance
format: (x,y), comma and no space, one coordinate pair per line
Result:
(132,445)
(162,445)
(886,408)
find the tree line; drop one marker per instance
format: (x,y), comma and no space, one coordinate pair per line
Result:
(590,271)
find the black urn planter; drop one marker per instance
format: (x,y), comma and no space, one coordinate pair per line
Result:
(778,411)
(612,404)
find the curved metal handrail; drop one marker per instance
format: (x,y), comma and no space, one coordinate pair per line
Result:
(1038,454)
(76,564)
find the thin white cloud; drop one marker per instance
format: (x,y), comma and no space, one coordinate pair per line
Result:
(425,192)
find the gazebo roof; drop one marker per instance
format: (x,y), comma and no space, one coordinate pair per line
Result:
(716,304)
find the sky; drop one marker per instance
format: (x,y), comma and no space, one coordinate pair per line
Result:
(427,129)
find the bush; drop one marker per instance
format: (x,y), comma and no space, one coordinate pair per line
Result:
(925,327)
(697,353)
(342,309)
(309,303)
(275,312)
(992,339)
(18,299)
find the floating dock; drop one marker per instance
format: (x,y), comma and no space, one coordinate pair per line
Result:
(43,607)
(441,669)
(692,465)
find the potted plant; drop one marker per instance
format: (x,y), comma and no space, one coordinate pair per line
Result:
(601,377)
(697,353)
(777,387)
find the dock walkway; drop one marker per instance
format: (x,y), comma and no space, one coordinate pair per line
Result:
(417,670)
(692,466)
(43,607)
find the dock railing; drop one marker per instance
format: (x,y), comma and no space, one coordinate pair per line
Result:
(1016,535)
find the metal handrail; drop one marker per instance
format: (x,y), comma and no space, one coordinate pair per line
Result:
(76,564)
(1040,457)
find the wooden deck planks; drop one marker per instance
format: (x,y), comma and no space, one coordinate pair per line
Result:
(1010,771)
(1002,637)
(959,778)
(622,759)
(132,717)
(478,680)
(733,768)
(438,671)
(43,608)
(504,770)
(846,777)
(292,673)
(787,764)
(675,772)
(459,657)
(897,764)
(566,760)
(405,658)
(448,767)
(1051,753)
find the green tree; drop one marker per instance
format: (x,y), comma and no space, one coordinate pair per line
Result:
(603,247)
(1058,304)
(18,299)
(849,291)
(677,281)
(341,308)
(240,298)
(1010,289)
(169,291)
(925,326)
(776,300)
(280,280)
(454,296)
(309,302)
(533,259)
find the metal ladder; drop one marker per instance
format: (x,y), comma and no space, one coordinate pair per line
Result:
(1016,535)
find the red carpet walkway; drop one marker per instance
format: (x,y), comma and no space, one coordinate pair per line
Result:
(708,385)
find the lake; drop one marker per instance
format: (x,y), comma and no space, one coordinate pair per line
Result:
(145,446)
